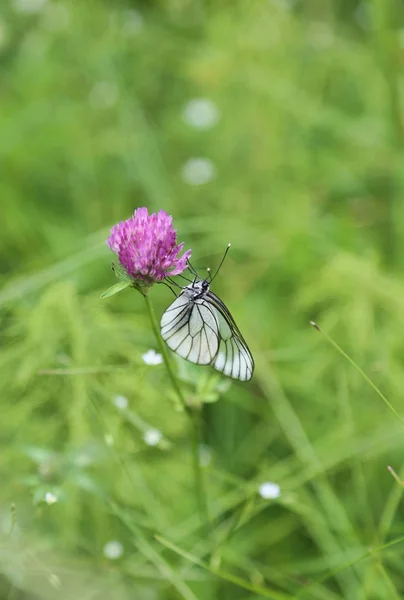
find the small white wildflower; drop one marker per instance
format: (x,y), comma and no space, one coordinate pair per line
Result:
(151,357)
(152,437)
(104,94)
(201,113)
(56,17)
(29,6)
(113,550)
(121,402)
(269,490)
(133,23)
(50,498)
(198,171)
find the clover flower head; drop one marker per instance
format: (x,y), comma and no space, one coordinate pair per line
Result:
(147,247)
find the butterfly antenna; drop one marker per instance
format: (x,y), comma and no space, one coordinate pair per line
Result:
(171,282)
(221,262)
(191,268)
(169,286)
(186,278)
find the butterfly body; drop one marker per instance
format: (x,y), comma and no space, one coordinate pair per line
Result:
(199,327)
(197,290)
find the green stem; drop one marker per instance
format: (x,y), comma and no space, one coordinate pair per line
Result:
(396,477)
(357,367)
(193,417)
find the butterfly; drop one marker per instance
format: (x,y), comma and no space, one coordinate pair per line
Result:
(199,327)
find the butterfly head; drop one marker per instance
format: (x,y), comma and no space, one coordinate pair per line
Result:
(197,289)
(204,285)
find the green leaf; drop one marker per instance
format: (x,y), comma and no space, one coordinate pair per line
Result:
(263,592)
(115,289)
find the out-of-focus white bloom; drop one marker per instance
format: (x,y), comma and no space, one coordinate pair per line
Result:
(205,455)
(133,23)
(201,113)
(121,402)
(29,6)
(151,357)
(113,550)
(152,437)
(198,171)
(56,16)
(51,498)
(104,94)
(269,490)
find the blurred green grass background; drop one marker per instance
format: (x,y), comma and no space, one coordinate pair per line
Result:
(276,125)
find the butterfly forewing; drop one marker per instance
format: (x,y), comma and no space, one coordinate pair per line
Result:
(191,330)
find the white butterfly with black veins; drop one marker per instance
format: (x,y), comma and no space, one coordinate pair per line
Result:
(199,327)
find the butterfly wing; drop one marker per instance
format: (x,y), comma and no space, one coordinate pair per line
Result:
(191,329)
(204,332)
(233,358)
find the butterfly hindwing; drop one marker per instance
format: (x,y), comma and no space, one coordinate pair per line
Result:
(234,358)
